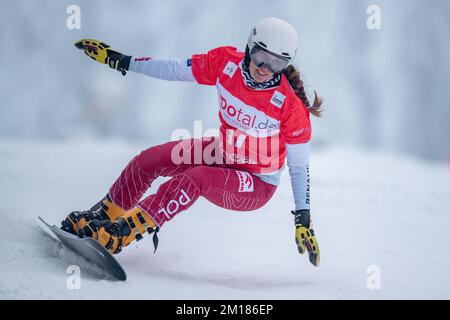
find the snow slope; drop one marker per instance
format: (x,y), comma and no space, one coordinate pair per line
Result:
(368,209)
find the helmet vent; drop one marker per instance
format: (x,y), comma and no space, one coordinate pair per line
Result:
(285,54)
(262,44)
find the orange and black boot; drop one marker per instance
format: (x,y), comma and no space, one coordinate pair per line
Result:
(115,235)
(105,210)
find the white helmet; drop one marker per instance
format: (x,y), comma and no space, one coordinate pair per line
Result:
(276,36)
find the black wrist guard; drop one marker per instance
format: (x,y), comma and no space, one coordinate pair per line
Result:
(302,217)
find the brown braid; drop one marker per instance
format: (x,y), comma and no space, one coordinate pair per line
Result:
(293,76)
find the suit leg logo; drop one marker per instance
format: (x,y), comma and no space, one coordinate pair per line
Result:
(245,181)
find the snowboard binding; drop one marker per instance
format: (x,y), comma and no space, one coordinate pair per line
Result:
(104,210)
(114,236)
(112,226)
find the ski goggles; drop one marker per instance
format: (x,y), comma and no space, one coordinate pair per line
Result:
(263,58)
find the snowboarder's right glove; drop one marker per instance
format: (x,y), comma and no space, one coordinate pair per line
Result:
(101,52)
(305,237)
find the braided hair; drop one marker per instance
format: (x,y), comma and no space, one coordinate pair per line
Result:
(293,76)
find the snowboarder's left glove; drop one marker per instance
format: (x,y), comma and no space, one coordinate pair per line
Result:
(305,237)
(101,52)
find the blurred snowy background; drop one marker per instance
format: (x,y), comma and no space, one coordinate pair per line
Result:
(380,163)
(384,89)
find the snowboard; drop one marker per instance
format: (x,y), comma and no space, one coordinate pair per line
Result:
(89,249)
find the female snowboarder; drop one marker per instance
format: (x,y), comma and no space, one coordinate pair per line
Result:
(264,114)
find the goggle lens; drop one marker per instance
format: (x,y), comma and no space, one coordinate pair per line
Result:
(264,58)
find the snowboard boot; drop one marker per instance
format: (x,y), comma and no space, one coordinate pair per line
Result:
(105,210)
(115,235)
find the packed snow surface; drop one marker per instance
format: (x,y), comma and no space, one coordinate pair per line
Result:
(382,223)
